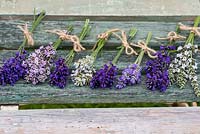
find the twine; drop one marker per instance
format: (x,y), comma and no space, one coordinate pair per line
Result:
(27,34)
(194,30)
(73,38)
(128,49)
(172,36)
(143,46)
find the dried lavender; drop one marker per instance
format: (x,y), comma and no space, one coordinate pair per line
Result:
(184,66)
(38,64)
(157,76)
(106,76)
(132,74)
(84,68)
(59,75)
(12,70)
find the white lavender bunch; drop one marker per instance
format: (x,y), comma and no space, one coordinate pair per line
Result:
(184,66)
(83,72)
(37,65)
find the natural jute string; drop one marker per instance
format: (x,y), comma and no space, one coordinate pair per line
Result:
(195,30)
(143,46)
(128,49)
(27,34)
(172,36)
(73,38)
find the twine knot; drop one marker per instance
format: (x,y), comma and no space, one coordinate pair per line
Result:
(128,49)
(194,30)
(63,35)
(27,34)
(141,44)
(172,36)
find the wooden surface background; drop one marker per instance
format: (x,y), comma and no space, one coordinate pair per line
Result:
(159,17)
(102,121)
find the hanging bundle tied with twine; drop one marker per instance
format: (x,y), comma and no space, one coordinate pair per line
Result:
(63,35)
(27,34)
(172,36)
(128,49)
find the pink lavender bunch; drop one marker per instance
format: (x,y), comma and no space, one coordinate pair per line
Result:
(37,65)
(104,77)
(130,76)
(12,70)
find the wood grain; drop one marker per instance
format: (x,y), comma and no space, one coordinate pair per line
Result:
(102,121)
(11,36)
(103,7)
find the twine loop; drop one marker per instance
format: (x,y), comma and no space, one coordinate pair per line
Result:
(172,36)
(128,49)
(194,30)
(27,34)
(141,44)
(63,35)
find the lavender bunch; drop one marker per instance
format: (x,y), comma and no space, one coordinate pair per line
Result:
(132,74)
(59,75)
(183,67)
(106,76)
(157,76)
(38,63)
(12,69)
(84,68)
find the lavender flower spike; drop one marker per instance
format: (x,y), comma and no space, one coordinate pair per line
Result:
(38,64)
(130,76)
(105,77)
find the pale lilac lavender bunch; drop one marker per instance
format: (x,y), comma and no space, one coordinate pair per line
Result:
(38,64)
(130,76)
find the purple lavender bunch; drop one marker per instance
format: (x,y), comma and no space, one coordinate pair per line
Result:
(157,70)
(12,70)
(37,66)
(60,74)
(104,77)
(130,76)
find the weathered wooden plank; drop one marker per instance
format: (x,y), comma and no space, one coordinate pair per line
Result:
(11,36)
(103,7)
(102,121)
(43,93)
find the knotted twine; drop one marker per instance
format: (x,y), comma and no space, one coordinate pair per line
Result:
(194,30)
(27,34)
(172,36)
(145,48)
(128,49)
(73,38)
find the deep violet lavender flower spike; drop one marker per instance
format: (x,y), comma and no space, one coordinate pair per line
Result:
(157,76)
(12,70)
(105,77)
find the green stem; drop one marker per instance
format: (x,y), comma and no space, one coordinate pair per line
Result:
(100,44)
(132,34)
(140,57)
(85,30)
(36,22)
(59,41)
(118,55)
(190,38)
